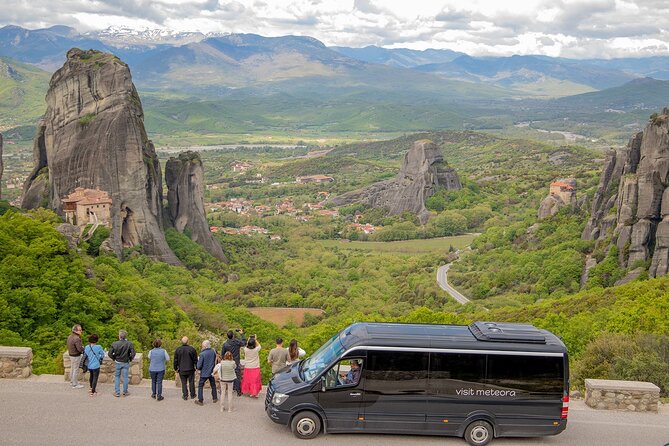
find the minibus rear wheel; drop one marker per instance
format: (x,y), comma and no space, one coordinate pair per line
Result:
(479,433)
(305,425)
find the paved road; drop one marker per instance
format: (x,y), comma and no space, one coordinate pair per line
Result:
(51,413)
(443,283)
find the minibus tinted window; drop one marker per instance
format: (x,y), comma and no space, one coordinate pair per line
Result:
(323,357)
(534,374)
(450,371)
(396,372)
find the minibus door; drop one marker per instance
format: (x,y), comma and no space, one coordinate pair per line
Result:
(395,391)
(341,395)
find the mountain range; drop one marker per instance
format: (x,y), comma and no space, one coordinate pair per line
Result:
(236,60)
(195,83)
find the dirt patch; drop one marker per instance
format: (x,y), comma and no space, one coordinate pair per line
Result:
(282,316)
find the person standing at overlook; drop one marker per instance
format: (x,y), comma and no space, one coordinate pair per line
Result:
(278,356)
(157,359)
(75,349)
(95,356)
(294,352)
(205,364)
(233,345)
(185,359)
(251,381)
(122,352)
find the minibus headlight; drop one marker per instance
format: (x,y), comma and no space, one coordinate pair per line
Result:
(279,398)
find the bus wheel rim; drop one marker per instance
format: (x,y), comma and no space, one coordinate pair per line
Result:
(306,426)
(480,434)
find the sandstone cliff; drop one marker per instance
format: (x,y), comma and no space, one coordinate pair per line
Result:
(631,205)
(423,171)
(92,135)
(184,176)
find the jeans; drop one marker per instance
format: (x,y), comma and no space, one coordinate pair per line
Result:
(74,370)
(188,382)
(237,385)
(157,382)
(93,379)
(121,367)
(200,387)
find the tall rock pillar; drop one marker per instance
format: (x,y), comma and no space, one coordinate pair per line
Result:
(184,176)
(92,136)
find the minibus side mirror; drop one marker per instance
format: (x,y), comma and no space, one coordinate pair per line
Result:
(322,383)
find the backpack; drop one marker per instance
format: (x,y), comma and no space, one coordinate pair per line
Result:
(83,365)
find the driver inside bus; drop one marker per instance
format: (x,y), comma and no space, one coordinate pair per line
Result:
(353,375)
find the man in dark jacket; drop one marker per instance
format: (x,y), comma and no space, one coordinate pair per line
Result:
(205,364)
(185,359)
(75,349)
(122,352)
(233,345)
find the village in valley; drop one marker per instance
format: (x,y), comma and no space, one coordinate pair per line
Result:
(284,206)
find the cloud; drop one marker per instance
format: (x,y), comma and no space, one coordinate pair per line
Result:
(578,28)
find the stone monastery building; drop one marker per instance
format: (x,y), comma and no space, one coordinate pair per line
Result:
(87,206)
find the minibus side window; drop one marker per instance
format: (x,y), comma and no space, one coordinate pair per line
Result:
(533,374)
(396,372)
(450,372)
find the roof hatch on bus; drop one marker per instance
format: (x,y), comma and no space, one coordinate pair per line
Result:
(503,332)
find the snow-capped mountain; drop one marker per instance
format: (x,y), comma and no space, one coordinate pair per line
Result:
(121,37)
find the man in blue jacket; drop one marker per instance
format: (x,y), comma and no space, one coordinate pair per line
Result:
(205,364)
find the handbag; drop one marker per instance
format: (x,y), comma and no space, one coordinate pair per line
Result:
(83,365)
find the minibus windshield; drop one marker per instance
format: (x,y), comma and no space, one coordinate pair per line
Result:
(323,357)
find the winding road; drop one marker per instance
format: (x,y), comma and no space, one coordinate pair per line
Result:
(443,284)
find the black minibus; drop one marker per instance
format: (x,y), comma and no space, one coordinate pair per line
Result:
(480,381)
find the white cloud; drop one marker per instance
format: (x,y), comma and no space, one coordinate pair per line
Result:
(571,28)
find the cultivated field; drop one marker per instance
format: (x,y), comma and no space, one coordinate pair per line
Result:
(405,246)
(282,316)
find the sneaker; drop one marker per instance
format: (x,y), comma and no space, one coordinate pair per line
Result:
(199,403)
(185,397)
(126,393)
(160,398)
(78,386)
(215,401)
(117,395)
(193,397)
(153,396)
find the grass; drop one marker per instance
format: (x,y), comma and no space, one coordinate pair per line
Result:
(405,246)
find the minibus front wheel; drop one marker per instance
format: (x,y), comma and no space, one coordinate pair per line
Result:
(305,425)
(479,433)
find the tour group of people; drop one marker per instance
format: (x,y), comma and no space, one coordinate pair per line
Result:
(237,376)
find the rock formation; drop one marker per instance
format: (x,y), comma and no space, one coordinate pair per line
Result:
(92,135)
(422,172)
(1,166)
(631,205)
(185,194)
(562,193)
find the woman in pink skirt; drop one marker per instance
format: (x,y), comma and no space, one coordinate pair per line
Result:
(251,383)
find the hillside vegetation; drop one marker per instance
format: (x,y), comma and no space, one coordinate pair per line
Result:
(22,91)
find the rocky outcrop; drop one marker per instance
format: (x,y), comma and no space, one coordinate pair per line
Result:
(562,193)
(92,135)
(422,173)
(631,205)
(184,176)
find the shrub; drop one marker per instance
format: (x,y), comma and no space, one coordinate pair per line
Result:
(641,357)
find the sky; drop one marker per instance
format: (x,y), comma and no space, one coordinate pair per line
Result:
(564,28)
